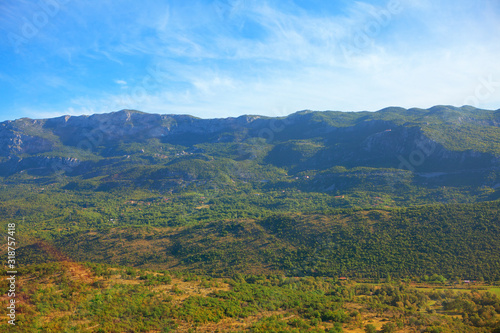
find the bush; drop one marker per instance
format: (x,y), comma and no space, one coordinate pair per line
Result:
(389,328)
(370,328)
(434,329)
(337,328)
(299,323)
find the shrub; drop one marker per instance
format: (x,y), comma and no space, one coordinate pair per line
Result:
(370,328)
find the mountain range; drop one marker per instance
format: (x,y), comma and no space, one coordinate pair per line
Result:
(367,194)
(388,151)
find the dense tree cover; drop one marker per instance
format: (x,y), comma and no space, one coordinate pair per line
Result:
(441,241)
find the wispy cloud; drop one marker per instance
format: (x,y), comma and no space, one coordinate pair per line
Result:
(224,58)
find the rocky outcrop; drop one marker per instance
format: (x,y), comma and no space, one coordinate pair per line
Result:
(17,143)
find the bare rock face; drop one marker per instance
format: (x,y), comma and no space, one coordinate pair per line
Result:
(14,142)
(130,125)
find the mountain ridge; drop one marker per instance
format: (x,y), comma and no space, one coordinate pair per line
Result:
(162,124)
(427,148)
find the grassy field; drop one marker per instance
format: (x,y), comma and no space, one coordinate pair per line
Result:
(495,290)
(76,297)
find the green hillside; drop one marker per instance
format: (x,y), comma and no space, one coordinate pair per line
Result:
(262,206)
(457,241)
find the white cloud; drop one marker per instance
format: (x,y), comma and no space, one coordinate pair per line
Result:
(429,53)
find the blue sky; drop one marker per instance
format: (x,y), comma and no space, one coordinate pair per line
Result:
(225,58)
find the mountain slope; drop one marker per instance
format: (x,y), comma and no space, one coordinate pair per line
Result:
(398,151)
(314,193)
